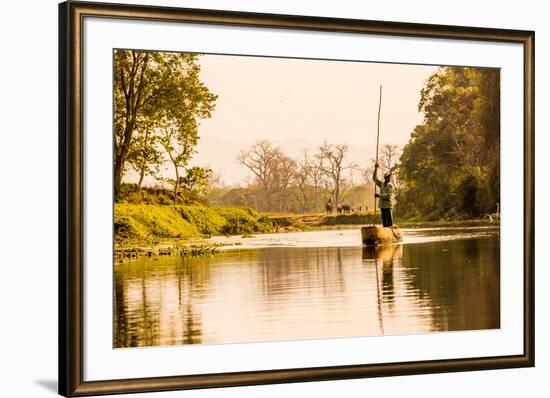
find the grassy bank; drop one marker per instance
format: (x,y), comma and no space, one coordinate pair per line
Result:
(153,229)
(141,222)
(154,223)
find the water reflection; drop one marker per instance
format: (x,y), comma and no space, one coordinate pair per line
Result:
(286,293)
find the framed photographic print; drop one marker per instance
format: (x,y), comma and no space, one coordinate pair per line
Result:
(252,199)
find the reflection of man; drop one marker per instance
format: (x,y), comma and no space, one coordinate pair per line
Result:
(385,197)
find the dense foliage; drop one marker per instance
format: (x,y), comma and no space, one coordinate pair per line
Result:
(451,166)
(158,103)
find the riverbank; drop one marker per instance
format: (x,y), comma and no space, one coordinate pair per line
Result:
(164,229)
(151,230)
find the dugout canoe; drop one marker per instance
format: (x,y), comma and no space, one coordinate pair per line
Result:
(375,235)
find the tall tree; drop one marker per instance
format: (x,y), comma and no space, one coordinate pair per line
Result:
(450,167)
(179,142)
(144,155)
(150,86)
(130,94)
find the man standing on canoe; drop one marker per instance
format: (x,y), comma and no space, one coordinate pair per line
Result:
(385,197)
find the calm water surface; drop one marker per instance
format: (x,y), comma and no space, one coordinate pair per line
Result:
(312,285)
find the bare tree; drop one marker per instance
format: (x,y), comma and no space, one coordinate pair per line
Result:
(333,167)
(366,173)
(389,161)
(316,178)
(388,157)
(215,179)
(261,160)
(301,178)
(285,170)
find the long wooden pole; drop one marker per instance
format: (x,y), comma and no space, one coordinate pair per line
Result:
(377,142)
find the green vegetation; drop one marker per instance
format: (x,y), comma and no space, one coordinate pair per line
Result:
(150,223)
(159,101)
(450,169)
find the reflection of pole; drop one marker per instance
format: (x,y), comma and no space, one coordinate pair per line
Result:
(377,141)
(379,299)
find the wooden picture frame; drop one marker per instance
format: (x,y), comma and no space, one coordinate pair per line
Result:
(71,353)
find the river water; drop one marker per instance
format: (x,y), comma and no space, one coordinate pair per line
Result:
(309,285)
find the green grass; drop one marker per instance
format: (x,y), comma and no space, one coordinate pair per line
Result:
(244,220)
(157,222)
(206,220)
(137,224)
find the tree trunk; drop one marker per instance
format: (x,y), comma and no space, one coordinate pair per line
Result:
(141,177)
(133,103)
(315,203)
(337,193)
(267,197)
(122,155)
(118,178)
(176,185)
(144,165)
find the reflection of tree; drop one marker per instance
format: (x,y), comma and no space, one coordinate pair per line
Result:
(451,285)
(120,318)
(136,309)
(192,276)
(156,304)
(149,322)
(458,280)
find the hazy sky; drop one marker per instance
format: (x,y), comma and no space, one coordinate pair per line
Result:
(277,98)
(297,104)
